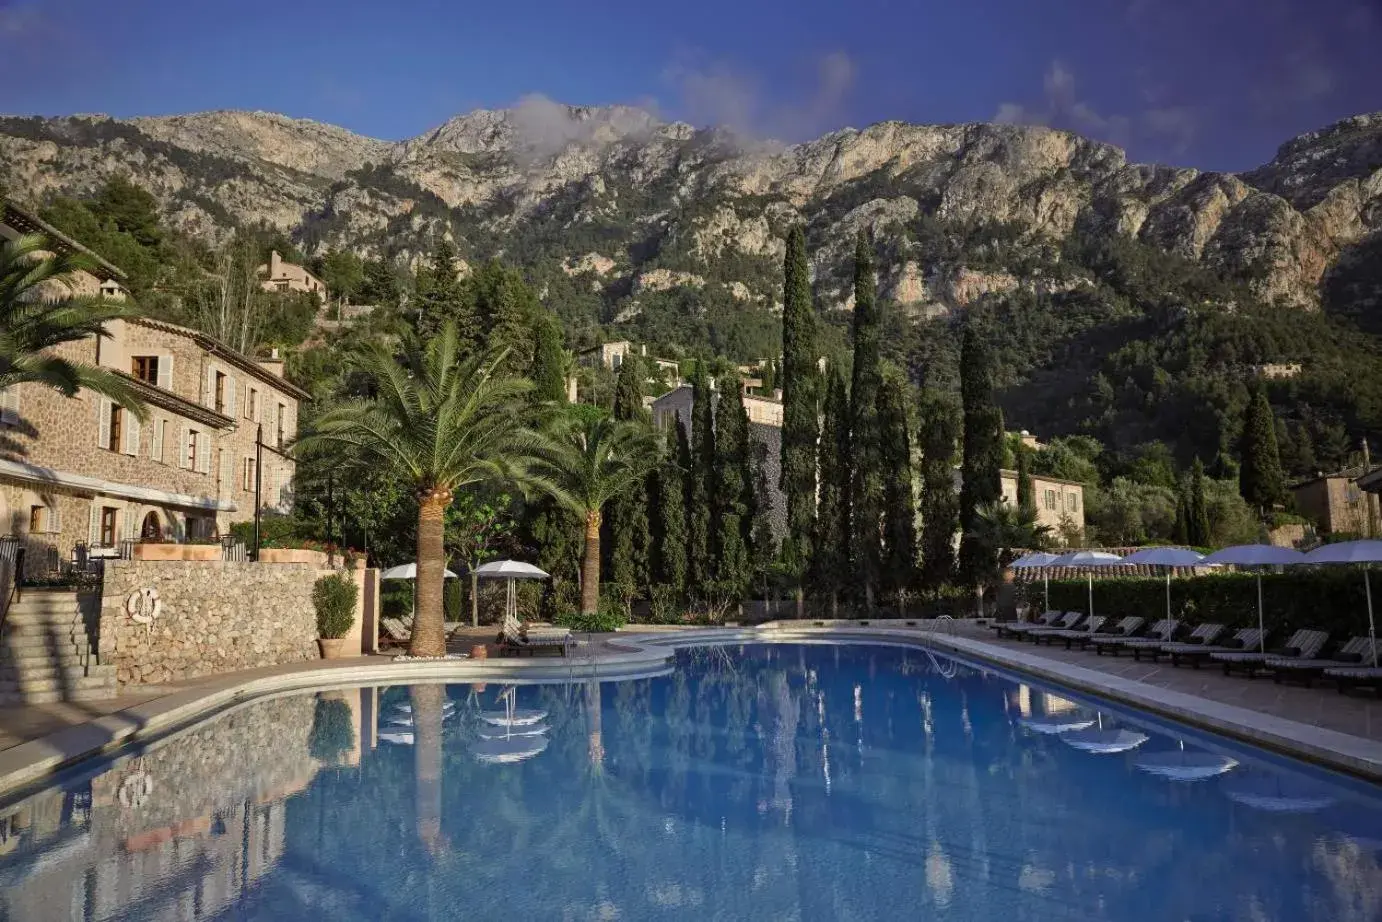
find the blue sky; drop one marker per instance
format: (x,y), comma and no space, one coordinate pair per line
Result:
(1216,84)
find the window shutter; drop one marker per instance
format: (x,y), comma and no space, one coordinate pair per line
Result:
(103,423)
(9,405)
(203,453)
(230,397)
(93,532)
(184,446)
(165,372)
(258,406)
(209,388)
(131,435)
(156,439)
(227,471)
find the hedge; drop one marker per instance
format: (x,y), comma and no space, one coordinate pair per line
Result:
(1331,599)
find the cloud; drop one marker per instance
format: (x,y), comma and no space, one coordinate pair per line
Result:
(717,95)
(1062,107)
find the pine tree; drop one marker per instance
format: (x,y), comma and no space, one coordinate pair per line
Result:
(441,297)
(700,566)
(899,502)
(938,433)
(1259,475)
(626,537)
(800,409)
(730,512)
(667,517)
(505,307)
(548,372)
(1199,531)
(868,474)
(830,558)
(981,456)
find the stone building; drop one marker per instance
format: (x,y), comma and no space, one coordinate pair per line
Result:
(1337,504)
(84,470)
(102,280)
(765,429)
(612,355)
(1059,503)
(281,275)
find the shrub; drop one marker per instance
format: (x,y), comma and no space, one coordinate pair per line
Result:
(453,600)
(333,731)
(610,617)
(666,605)
(334,599)
(1327,598)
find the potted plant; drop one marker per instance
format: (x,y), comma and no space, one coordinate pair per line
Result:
(333,730)
(334,598)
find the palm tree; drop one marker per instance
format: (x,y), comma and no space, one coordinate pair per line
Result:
(38,313)
(441,421)
(588,461)
(1004,528)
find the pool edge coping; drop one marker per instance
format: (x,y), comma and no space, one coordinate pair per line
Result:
(29,763)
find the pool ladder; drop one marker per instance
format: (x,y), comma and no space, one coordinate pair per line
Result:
(947,668)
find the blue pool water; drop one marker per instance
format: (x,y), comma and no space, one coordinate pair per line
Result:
(759,782)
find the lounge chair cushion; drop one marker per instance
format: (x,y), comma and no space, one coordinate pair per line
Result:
(1233,643)
(1348,657)
(1290,651)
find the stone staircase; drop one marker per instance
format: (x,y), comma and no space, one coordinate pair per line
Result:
(48,651)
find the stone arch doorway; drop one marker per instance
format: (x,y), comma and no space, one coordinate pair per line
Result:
(152,528)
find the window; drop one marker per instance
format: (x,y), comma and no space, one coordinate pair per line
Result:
(151,530)
(9,406)
(281,286)
(193,436)
(220,392)
(251,401)
(247,482)
(282,412)
(117,417)
(160,432)
(107,526)
(1072,502)
(145,368)
(37,519)
(616,360)
(1051,500)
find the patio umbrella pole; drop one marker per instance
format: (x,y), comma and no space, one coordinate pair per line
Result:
(1046,589)
(1372,630)
(1091,595)
(1168,593)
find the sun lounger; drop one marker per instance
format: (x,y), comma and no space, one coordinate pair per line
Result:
(1304,644)
(1153,644)
(516,638)
(1067,622)
(395,631)
(1160,632)
(1013,628)
(1090,628)
(1113,641)
(1195,654)
(1356,652)
(1355,676)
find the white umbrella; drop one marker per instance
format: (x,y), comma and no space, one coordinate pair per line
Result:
(1364,552)
(1179,765)
(407,571)
(1275,794)
(1256,555)
(1050,726)
(1165,557)
(509,570)
(485,733)
(505,751)
(1104,741)
(1034,561)
(1087,559)
(401,737)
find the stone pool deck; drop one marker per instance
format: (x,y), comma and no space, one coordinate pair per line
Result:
(1342,732)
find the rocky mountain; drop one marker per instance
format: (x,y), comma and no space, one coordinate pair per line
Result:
(626,206)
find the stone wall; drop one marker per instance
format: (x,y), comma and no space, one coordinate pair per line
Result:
(217,617)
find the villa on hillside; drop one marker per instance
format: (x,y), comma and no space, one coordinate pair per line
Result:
(102,280)
(1059,503)
(612,355)
(1339,503)
(280,275)
(84,470)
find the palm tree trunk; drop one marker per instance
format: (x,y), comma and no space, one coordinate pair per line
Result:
(428,701)
(429,630)
(801,603)
(590,566)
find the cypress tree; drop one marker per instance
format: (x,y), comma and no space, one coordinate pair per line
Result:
(548,372)
(981,455)
(1180,532)
(1199,530)
(762,541)
(1259,474)
(667,517)
(442,297)
(730,511)
(868,474)
(938,433)
(626,537)
(899,502)
(830,559)
(700,569)
(1026,496)
(800,411)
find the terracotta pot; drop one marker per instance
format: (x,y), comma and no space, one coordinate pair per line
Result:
(332,647)
(202,552)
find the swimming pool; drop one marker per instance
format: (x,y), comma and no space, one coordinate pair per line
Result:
(753,782)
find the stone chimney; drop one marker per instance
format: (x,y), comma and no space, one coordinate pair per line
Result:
(274,363)
(275,264)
